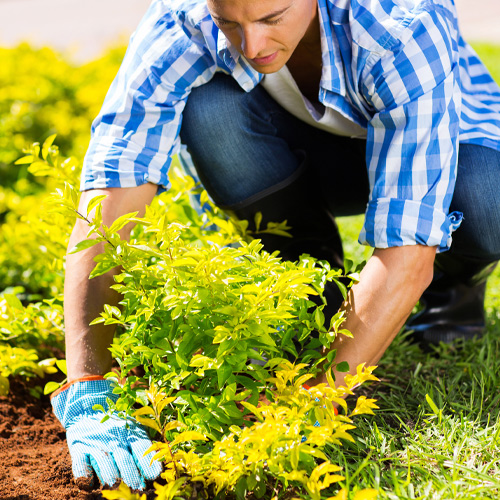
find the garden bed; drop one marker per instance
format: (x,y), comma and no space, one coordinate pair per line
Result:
(34,457)
(34,460)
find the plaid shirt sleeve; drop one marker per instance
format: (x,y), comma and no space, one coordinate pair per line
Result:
(412,141)
(137,130)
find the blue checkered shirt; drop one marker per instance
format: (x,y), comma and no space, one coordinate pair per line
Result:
(398,68)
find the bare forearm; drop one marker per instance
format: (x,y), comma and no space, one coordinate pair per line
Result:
(87,347)
(390,285)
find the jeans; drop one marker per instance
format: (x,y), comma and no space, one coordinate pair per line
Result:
(245,143)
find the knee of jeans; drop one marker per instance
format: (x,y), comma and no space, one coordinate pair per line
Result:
(213,111)
(482,245)
(478,237)
(477,196)
(488,249)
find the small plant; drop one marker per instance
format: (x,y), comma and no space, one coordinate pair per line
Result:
(209,326)
(26,335)
(206,315)
(279,452)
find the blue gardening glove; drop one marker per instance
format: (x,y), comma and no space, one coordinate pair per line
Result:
(114,449)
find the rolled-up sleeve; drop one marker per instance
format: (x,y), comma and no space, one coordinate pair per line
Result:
(137,131)
(412,139)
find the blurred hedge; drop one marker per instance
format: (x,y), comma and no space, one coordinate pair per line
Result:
(41,93)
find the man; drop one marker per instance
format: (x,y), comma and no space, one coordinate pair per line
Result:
(299,109)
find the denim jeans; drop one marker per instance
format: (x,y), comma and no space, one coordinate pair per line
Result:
(245,143)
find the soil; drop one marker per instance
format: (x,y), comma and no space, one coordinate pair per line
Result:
(34,459)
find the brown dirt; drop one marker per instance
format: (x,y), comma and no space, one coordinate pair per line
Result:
(34,458)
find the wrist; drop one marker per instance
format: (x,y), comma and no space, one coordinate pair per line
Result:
(87,353)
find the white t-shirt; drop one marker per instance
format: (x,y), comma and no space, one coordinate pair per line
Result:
(282,88)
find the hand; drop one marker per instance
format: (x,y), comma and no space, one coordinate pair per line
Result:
(378,305)
(114,449)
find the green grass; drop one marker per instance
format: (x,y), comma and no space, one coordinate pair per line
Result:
(437,432)
(411,450)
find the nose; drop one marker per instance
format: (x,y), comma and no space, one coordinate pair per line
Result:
(252,42)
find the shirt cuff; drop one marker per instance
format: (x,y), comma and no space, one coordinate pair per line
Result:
(112,162)
(391,222)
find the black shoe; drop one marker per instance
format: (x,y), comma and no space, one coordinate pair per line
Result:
(453,303)
(449,315)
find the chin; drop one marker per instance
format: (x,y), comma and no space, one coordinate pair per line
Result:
(267,69)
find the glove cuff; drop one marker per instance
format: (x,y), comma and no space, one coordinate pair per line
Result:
(77,399)
(69,384)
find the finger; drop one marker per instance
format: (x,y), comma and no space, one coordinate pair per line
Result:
(139,446)
(82,470)
(128,469)
(105,468)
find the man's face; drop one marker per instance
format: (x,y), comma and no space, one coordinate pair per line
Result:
(265,32)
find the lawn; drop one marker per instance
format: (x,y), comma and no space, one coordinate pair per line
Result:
(437,432)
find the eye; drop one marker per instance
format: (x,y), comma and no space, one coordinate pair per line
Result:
(222,22)
(273,22)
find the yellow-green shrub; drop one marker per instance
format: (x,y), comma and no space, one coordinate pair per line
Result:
(30,337)
(33,238)
(41,93)
(200,304)
(286,453)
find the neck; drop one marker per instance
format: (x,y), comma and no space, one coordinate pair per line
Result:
(312,38)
